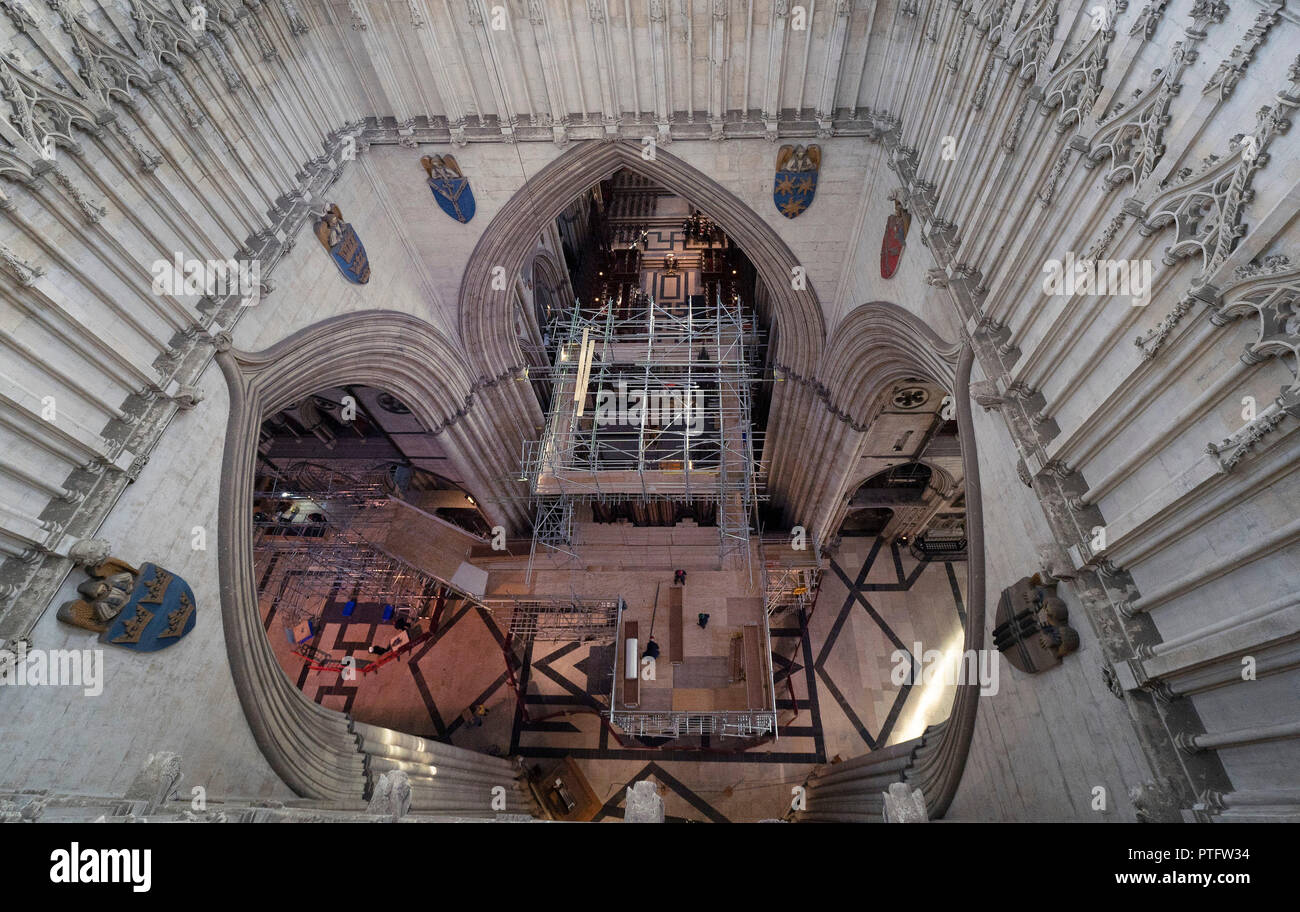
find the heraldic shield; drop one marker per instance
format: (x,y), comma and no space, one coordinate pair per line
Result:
(346,249)
(450,187)
(895,239)
(159,612)
(795,183)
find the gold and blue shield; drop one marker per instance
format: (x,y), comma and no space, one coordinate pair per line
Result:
(450,187)
(159,612)
(795,183)
(345,248)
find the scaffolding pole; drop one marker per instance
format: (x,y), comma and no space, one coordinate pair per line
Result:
(672,390)
(311,542)
(557,619)
(791,577)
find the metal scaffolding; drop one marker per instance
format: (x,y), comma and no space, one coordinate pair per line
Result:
(791,576)
(558,620)
(649,402)
(736,724)
(311,524)
(300,499)
(302,573)
(731,723)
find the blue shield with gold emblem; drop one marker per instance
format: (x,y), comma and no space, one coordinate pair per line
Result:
(795,183)
(345,248)
(159,612)
(450,187)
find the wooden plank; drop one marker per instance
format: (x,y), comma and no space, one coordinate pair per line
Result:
(631,686)
(693,699)
(675,652)
(708,699)
(736,657)
(755,675)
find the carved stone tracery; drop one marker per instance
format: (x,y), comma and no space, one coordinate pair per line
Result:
(1132,138)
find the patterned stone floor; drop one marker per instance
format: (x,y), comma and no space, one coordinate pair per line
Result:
(424,691)
(836,678)
(835,685)
(877,612)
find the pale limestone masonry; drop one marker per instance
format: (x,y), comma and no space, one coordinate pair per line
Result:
(1160,137)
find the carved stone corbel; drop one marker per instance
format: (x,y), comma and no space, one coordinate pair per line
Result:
(391,797)
(157,782)
(90,552)
(904,804)
(936,277)
(187,397)
(644,803)
(984,393)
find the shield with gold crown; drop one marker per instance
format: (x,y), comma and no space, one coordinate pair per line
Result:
(345,247)
(158,613)
(795,183)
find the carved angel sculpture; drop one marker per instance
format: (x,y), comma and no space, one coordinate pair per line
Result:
(102,596)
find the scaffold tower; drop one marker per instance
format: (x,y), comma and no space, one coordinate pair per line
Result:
(556,619)
(315,532)
(649,402)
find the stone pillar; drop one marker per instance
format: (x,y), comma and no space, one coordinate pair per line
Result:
(903,805)
(644,804)
(392,796)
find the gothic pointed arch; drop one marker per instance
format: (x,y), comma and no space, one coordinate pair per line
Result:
(312,748)
(508,241)
(878,343)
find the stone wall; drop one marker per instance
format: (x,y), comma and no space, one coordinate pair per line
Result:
(1159,137)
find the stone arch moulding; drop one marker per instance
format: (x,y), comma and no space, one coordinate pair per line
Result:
(876,344)
(310,747)
(879,342)
(941,481)
(542,262)
(540,256)
(510,237)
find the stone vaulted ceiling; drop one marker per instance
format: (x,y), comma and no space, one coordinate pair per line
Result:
(574,69)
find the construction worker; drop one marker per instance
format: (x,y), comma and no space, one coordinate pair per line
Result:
(476,714)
